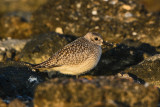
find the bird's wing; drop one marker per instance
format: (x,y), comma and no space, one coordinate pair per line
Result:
(74,53)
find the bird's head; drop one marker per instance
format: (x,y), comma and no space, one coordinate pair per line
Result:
(94,38)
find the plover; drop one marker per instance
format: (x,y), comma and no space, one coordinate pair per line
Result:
(77,57)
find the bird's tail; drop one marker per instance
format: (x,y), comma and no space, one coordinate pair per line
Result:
(37,66)
(45,64)
(28,64)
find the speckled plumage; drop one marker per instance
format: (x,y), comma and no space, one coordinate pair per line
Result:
(77,57)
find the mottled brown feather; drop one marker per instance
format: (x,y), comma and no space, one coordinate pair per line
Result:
(72,54)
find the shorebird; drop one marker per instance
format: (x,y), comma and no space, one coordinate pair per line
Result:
(77,57)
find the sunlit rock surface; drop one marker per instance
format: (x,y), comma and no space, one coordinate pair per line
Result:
(99,91)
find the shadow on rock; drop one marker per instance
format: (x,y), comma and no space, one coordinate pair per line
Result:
(16,79)
(136,79)
(148,70)
(123,56)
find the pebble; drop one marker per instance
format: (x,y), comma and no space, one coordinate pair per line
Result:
(126,7)
(59,30)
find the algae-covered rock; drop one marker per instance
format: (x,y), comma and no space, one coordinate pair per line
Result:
(99,91)
(41,47)
(148,70)
(116,20)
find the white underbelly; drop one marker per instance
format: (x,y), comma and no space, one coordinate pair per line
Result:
(87,65)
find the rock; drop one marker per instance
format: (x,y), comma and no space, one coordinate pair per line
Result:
(2,104)
(151,5)
(147,71)
(116,20)
(41,47)
(117,59)
(16,103)
(99,91)
(15,27)
(19,5)
(10,47)
(126,7)
(59,30)
(15,18)
(16,44)
(122,56)
(16,78)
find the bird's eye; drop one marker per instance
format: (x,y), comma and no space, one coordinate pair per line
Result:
(95,38)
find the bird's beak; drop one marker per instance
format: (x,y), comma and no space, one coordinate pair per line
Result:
(107,43)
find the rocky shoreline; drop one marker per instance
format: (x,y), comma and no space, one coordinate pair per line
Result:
(127,74)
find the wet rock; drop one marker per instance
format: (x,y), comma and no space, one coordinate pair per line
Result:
(116,20)
(41,47)
(100,91)
(16,78)
(147,71)
(16,103)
